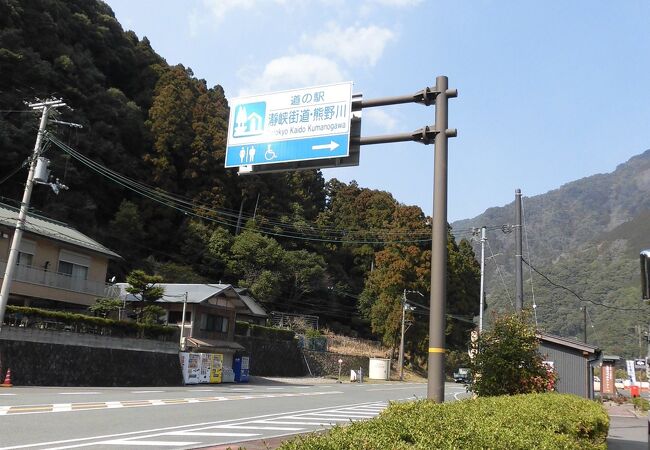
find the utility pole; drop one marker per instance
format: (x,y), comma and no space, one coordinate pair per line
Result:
(45,107)
(482,296)
(519,273)
(401,342)
(182,340)
(405,307)
(584,314)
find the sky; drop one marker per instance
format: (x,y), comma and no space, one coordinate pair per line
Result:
(549,91)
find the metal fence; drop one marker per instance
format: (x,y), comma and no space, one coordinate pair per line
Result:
(293,321)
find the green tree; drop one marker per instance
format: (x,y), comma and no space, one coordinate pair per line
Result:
(507,359)
(145,289)
(104,306)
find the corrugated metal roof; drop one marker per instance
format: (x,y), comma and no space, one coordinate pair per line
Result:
(52,229)
(214,343)
(196,293)
(568,342)
(251,303)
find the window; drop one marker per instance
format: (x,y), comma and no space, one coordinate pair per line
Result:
(73,264)
(212,322)
(73,270)
(26,253)
(24,259)
(177,317)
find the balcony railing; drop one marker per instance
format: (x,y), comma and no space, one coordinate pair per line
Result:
(40,277)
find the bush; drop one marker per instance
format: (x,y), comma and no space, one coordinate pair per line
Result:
(641,403)
(530,421)
(507,361)
(84,323)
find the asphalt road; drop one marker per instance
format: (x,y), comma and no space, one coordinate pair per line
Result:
(189,416)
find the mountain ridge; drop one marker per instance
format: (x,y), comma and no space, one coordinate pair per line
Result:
(585,236)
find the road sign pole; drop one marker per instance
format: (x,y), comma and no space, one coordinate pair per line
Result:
(436,378)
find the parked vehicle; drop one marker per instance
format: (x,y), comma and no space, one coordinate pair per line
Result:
(462,376)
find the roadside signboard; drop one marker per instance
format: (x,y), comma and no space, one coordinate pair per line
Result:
(631,374)
(296,125)
(639,363)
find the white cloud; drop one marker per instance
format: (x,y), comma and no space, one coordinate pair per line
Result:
(398,3)
(380,119)
(212,12)
(219,8)
(290,72)
(355,45)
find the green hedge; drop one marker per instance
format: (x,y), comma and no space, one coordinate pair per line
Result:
(532,421)
(84,322)
(271,333)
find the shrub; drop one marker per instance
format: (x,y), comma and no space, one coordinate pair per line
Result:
(507,360)
(241,328)
(530,421)
(85,323)
(641,403)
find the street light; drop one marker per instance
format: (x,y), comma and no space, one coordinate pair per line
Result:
(405,306)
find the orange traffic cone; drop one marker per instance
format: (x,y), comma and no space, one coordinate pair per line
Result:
(7,381)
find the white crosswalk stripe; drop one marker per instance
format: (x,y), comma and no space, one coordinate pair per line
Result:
(131,442)
(247,429)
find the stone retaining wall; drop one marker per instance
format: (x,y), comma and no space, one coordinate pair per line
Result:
(48,358)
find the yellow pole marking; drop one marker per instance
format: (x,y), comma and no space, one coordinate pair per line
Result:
(436,350)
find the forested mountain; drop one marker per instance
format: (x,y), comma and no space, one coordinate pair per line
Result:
(585,236)
(301,244)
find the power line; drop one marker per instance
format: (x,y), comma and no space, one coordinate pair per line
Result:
(618,308)
(492,256)
(291,231)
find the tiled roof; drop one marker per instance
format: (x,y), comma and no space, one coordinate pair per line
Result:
(52,229)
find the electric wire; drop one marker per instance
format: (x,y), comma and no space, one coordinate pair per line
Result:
(191,203)
(618,308)
(200,211)
(499,272)
(185,202)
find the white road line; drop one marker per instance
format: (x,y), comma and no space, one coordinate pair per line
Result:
(7,394)
(61,407)
(197,390)
(128,442)
(114,404)
(78,393)
(351,416)
(330,418)
(299,423)
(265,420)
(157,402)
(210,433)
(257,427)
(241,389)
(275,388)
(389,389)
(145,392)
(303,387)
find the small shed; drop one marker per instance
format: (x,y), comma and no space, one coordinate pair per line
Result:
(574,362)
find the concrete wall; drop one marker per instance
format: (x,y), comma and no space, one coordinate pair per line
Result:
(46,358)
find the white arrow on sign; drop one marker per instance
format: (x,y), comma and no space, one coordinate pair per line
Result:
(331,146)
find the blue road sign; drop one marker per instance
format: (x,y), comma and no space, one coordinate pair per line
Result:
(296,125)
